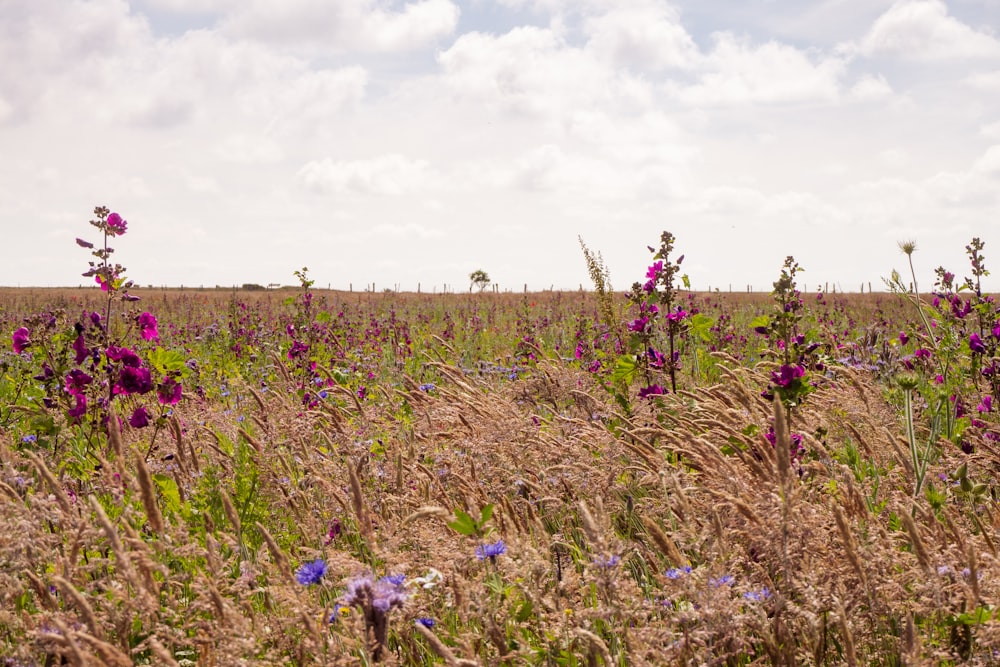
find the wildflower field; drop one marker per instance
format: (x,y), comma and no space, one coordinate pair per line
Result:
(640,476)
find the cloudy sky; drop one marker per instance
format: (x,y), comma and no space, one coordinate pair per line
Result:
(378,141)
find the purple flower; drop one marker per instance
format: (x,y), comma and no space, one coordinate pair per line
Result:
(677,573)
(426,622)
(79,410)
(787,375)
(116,224)
(298,349)
(124,355)
(77,381)
(147,326)
(638,324)
(80,350)
(652,390)
(976,344)
(491,551)
(903,338)
(169,391)
(139,418)
(724,580)
(22,339)
(311,573)
(132,380)
(985,405)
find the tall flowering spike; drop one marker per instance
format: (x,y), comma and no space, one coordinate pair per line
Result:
(22,339)
(311,573)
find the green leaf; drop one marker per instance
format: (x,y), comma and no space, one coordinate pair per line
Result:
(168,487)
(625,369)
(524,612)
(167,361)
(463,524)
(700,324)
(485,515)
(760,321)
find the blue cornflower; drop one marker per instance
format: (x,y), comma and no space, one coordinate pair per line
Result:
(311,573)
(323,394)
(607,562)
(28,439)
(677,573)
(757,596)
(724,580)
(491,551)
(427,386)
(426,622)
(395,579)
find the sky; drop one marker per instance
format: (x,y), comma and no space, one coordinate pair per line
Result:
(400,144)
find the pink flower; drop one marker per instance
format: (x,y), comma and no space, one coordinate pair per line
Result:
(169,391)
(147,326)
(22,339)
(116,224)
(139,418)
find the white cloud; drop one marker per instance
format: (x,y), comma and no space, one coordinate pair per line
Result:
(344,25)
(923,30)
(985,81)
(737,72)
(871,87)
(647,37)
(392,174)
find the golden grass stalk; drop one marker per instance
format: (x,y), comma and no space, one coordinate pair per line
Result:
(86,611)
(850,547)
(115,434)
(47,475)
(230,510)
(276,555)
(663,542)
(918,544)
(162,654)
(65,637)
(849,651)
(358,502)
(148,495)
(110,655)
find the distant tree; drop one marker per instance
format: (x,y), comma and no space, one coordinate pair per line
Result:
(480,279)
(252,287)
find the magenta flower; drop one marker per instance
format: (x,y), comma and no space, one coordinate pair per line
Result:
(124,355)
(139,418)
(133,380)
(77,381)
(22,339)
(147,326)
(985,405)
(116,224)
(79,410)
(976,344)
(787,375)
(80,350)
(638,324)
(652,390)
(677,315)
(169,392)
(99,279)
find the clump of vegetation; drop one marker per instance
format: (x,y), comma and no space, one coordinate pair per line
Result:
(244,478)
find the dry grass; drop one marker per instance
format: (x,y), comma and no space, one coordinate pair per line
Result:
(811,563)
